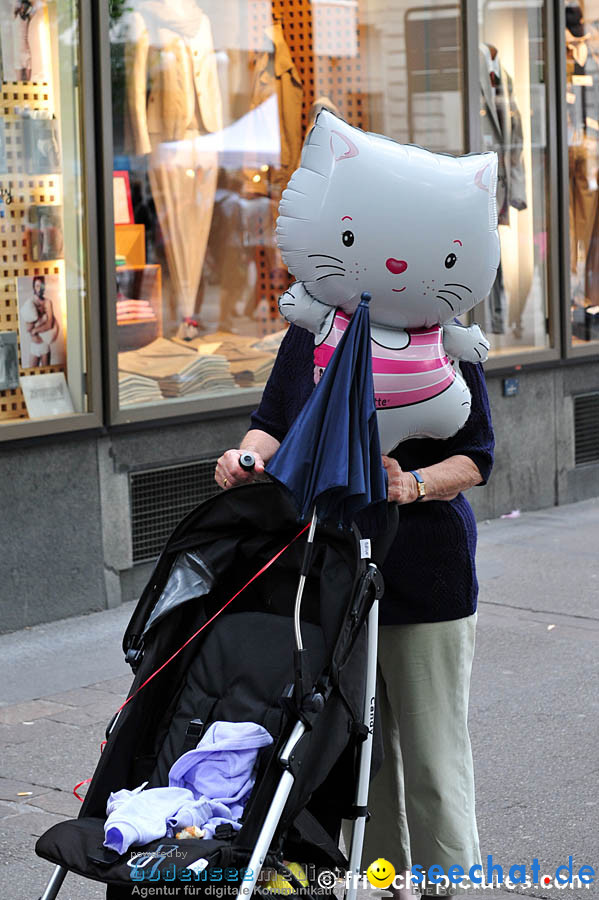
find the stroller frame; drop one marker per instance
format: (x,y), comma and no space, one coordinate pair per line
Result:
(372,582)
(286,783)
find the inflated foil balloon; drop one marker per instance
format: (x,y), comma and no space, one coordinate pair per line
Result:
(418,231)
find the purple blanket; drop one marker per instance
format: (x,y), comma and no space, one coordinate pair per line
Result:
(208,786)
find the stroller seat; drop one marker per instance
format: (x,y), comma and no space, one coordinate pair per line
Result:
(234,679)
(237,678)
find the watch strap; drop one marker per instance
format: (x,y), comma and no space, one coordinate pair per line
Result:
(420,485)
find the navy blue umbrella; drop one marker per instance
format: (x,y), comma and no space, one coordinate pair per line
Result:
(330,459)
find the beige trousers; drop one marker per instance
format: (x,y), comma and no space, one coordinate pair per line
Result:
(422,800)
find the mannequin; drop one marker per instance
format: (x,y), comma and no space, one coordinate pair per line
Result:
(582,198)
(25,40)
(273,72)
(173,97)
(502,131)
(271,76)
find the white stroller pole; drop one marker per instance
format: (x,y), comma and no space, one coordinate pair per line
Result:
(286,783)
(357,841)
(273,816)
(300,587)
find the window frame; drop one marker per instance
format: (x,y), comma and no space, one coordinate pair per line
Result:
(17,429)
(582,352)
(519,359)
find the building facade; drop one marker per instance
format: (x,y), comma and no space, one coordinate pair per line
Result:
(144,147)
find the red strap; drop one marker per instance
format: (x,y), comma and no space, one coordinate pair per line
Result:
(212,618)
(87,780)
(189,640)
(78,786)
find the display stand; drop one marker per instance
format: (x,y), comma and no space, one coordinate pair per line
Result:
(145,283)
(20,192)
(338,75)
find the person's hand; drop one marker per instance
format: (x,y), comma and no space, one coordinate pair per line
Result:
(228,472)
(401,487)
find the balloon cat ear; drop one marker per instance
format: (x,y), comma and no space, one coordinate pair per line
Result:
(342,147)
(486,180)
(330,141)
(493,167)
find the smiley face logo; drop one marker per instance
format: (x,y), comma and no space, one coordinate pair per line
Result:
(380,873)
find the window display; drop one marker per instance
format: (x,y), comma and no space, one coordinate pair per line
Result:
(513,123)
(211,103)
(42,293)
(582,116)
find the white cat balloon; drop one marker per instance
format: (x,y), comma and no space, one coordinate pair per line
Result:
(418,231)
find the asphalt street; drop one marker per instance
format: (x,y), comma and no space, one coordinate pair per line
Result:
(534,709)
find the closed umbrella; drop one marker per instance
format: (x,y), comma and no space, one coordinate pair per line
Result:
(330,459)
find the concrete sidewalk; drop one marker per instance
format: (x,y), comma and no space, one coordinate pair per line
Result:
(534,712)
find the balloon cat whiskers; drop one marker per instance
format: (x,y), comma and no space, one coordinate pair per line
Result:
(418,231)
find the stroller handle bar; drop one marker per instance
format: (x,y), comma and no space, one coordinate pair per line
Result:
(247,461)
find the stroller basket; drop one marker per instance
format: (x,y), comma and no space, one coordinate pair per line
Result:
(240,668)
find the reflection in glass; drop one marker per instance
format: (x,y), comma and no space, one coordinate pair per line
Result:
(211,104)
(582,111)
(513,124)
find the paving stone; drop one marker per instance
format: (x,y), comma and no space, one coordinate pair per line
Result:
(26,879)
(33,822)
(8,809)
(62,803)
(85,697)
(61,762)
(27,712)
(38,730)
(118,685)
(9,789)
(78,716)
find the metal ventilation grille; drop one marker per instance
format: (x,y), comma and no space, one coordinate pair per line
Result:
(161,497)
(586,429)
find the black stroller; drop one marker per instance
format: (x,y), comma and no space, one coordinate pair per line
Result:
(308,678)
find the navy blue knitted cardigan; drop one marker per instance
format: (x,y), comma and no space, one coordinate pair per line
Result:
(430,573)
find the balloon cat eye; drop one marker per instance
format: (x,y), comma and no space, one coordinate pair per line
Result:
(450,260)
(348,238)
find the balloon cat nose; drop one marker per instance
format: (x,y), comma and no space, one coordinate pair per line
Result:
(397,266)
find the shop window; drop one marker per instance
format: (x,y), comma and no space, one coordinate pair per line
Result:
(211,103)
(582,116)
(43,279)
(513,97)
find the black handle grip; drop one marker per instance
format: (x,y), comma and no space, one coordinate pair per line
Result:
(247,461)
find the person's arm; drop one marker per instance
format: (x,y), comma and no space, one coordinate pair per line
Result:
(34,335)
(228,471)
(270,422)
(49,313)
(443,481)
(40,324)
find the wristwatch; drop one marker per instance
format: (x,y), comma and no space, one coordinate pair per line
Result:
(420,485)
